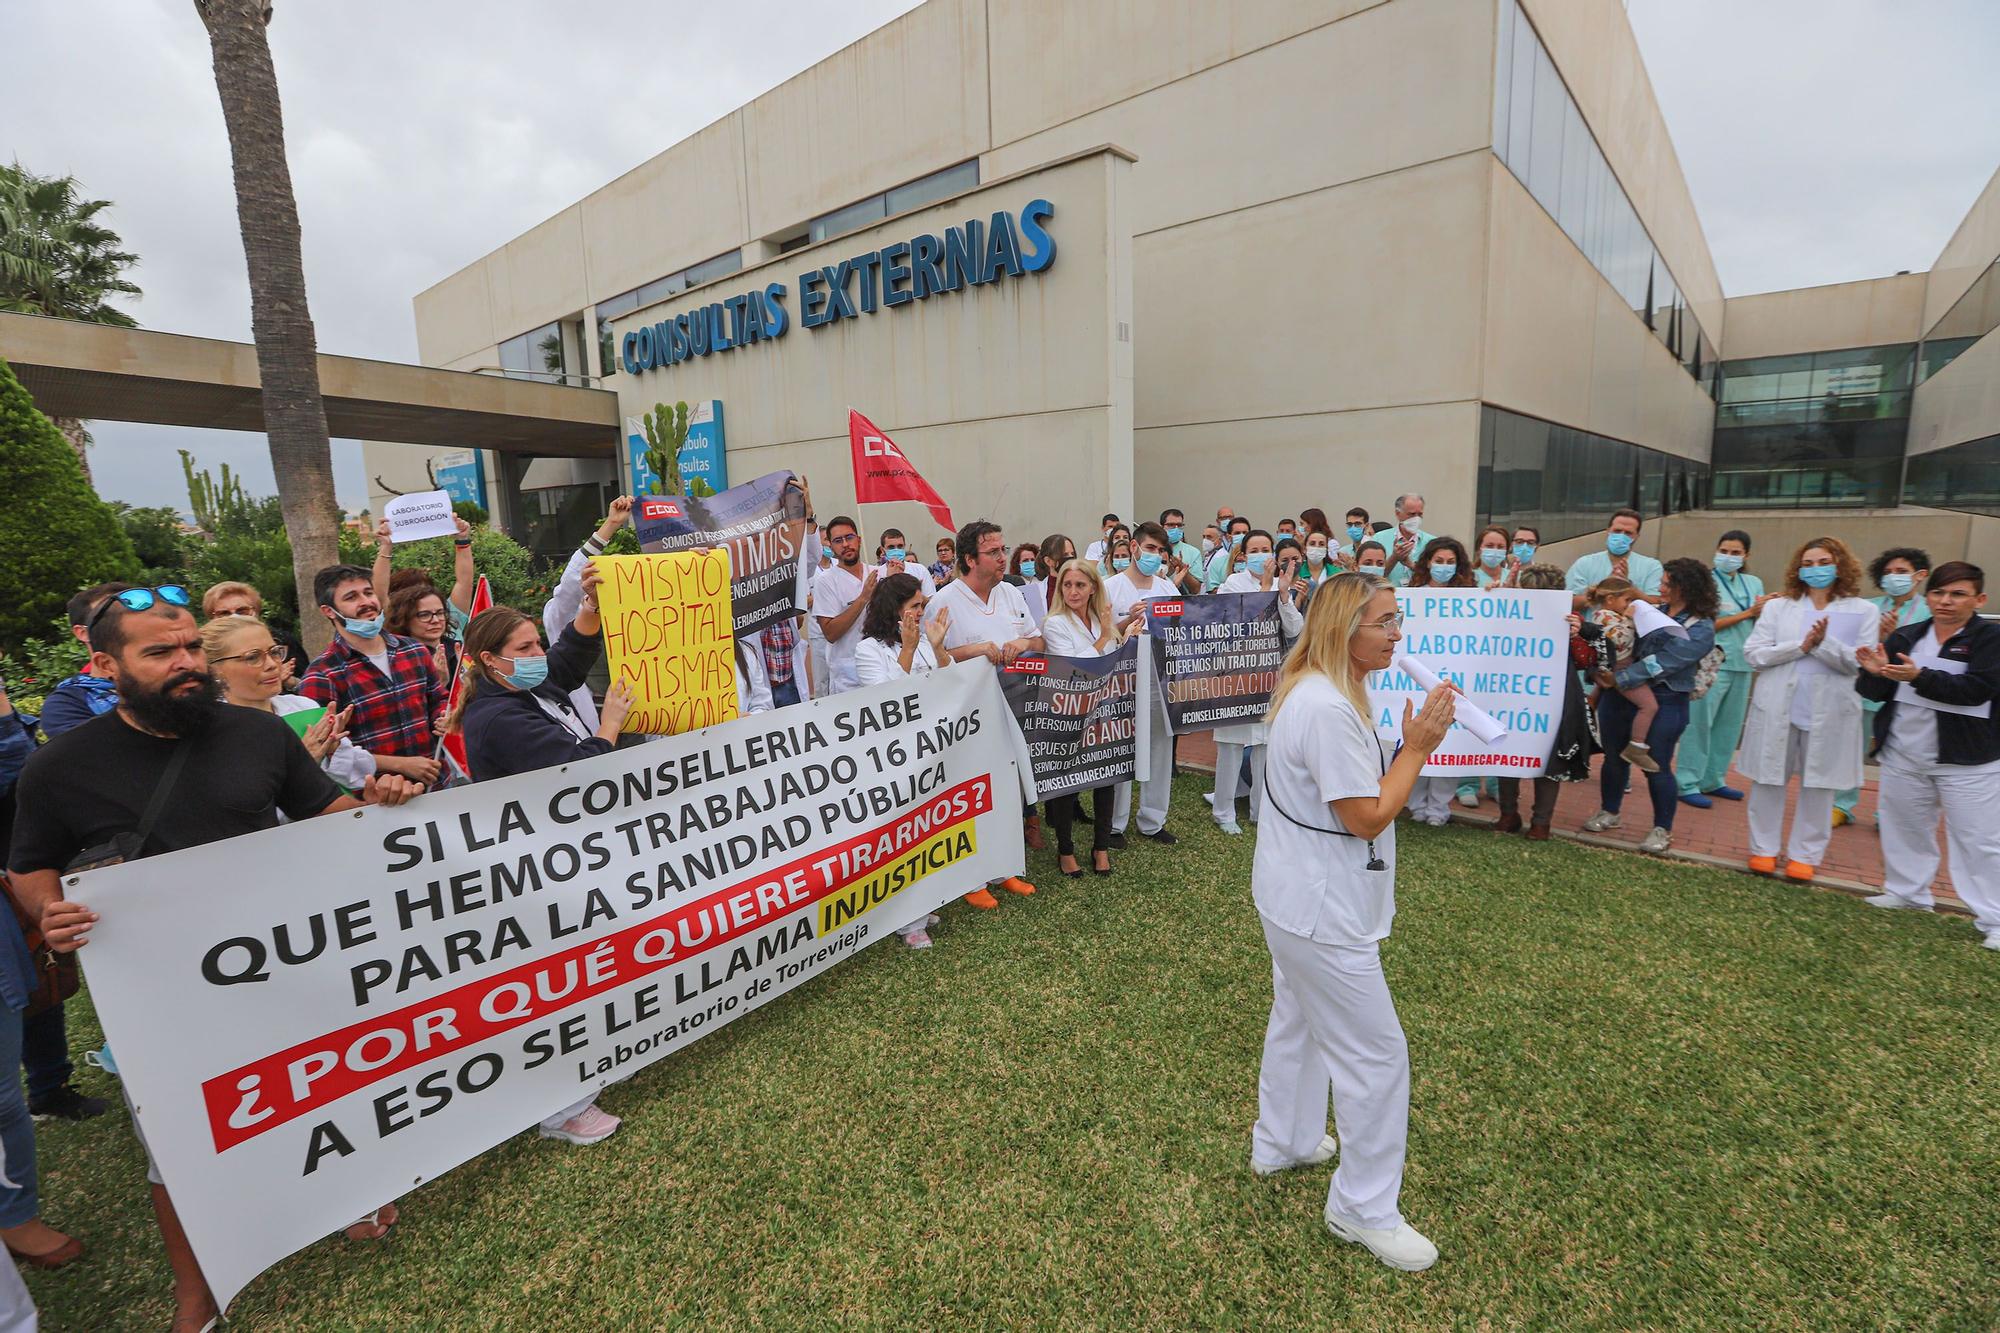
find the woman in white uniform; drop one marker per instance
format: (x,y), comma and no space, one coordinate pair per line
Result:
(895,642)
(1324,884)
(1260,573)
(1805,717)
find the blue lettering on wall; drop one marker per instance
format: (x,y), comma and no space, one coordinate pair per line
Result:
(974,253)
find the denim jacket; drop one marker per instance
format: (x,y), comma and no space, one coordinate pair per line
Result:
(1664,658)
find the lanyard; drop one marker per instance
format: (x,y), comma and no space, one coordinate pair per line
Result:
(1741,603)
(1374,862)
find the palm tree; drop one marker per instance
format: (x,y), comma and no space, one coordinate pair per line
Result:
(57,259)
(287,348)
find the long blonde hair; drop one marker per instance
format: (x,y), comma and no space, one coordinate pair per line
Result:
(1108,636)
(218,634)
(1322,649)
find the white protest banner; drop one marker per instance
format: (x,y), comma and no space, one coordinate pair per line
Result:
(418,515)
(1507,649)
(313,1019)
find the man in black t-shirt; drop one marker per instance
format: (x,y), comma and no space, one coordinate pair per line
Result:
(86,787)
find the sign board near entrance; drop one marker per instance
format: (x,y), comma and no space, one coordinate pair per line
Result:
(704,454)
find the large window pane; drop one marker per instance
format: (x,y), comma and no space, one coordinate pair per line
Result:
(843,220)
(708,270)
(1551,104)
(1577,148)
(1503,73)
(937,185)
(1521,102)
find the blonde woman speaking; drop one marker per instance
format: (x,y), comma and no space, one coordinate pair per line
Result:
(1324,884)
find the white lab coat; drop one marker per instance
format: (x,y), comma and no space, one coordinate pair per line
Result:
(1291,624)
(1833,755)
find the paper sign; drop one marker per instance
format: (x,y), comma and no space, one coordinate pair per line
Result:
(1647,618)
(1464,712)
(1842,627)
(1906,693)
(420,515)
(669,633)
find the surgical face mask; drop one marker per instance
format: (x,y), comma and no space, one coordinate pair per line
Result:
(1414,523)
(1236,538)
(1898,585)
(1818,576)
(1492,556)
(1726,563)
(528,672)
(1149,563)
(1027,568)
(895,553)
(1372,571)
(1444,573)
(1524,552)
(1257,560)
(363,629)
(1120,563)
(1355,532)
(1174,535)
(1316,553)
(1618,543)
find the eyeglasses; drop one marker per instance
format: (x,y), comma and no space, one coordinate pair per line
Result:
(1388,624)
(844,537)
(992,552)
(140,599)
(274,655)
(438,614)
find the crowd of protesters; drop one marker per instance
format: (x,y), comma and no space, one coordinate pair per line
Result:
(176,732)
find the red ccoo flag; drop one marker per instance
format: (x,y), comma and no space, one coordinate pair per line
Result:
(882,472)
(452,747)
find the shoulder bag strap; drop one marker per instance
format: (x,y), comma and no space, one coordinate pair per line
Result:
(155,807)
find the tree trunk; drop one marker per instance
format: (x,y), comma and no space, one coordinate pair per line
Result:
(287,348)
(79,439)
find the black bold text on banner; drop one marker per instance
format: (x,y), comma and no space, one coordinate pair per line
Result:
(1078,717)
(1216,658)
(763,525)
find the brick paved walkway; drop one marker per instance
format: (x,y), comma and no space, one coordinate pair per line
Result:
(1720,834)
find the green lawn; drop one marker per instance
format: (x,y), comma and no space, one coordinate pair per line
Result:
(1645,1095)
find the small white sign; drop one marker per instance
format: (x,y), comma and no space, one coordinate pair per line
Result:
(420,515)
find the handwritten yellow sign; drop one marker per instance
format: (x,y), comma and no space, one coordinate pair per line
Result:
(669,632)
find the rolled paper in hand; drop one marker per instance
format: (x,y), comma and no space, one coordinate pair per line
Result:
(1465,712)
(1646,618)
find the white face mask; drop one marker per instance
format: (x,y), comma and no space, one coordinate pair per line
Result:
(1414,523)
(1316,553)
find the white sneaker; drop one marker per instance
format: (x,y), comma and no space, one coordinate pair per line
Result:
(1402,1247)
(932,919)
(1600,821)
(1323,1153)
(586,1127)
(1656,842)
(918,939)
(1470,800)
(1230,827)
(1892,901)
(1208,796)
(1993,940)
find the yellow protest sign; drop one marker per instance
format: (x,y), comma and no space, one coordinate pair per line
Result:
(669,632)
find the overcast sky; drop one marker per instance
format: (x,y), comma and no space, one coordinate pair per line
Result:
(1823,139)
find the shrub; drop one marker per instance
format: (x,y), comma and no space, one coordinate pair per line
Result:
(56,536)
(507,565)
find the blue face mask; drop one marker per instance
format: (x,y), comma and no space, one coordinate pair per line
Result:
(1027,568)
(1898,585)
(1524,551)
(1236,538)
(1444,573)
(1618,543)
(1818,576)
(1257,561)
(1120,563)
(1372,571)
(363,629)
(1491,557)
(528,672)
(1149,563)
(1174,535)
(895,553)
(1727,564)
(1355,532)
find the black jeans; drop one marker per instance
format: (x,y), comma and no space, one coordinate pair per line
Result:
(45,1052)
(1062,812)
(1614,725)
(1546,791)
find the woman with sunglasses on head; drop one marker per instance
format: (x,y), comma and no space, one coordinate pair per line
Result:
(1323,881)
(251,664)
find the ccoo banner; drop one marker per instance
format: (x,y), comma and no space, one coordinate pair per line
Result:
(410,986)
(762,522)
(1507,649)
(1078,717)
(1216,657)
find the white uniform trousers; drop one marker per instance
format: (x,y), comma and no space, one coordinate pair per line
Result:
(1812,822)
(1229,775)
(1907,807)
(1332,1020)
(822,674)
(1156,785)
(1430,799)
